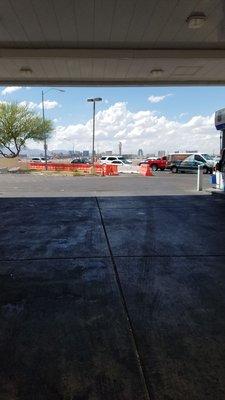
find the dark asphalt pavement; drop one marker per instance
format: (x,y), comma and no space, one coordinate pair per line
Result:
(112,298)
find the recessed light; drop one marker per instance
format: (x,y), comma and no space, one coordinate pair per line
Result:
(196,20)
(156,73)
(26,71)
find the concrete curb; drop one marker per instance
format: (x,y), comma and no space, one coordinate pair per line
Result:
(216,192)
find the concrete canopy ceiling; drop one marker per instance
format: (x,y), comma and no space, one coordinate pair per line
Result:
(111,42)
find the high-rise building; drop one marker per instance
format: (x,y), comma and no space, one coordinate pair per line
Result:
(86,153)
(140,153)
(120,148)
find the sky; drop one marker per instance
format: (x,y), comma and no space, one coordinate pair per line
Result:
(149,118)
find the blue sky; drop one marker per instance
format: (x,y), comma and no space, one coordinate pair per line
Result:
(185,109)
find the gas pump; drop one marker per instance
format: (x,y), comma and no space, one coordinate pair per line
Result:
(220,125)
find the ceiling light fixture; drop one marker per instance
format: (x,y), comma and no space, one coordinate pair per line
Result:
(26,71)
(156,73)
(196,20)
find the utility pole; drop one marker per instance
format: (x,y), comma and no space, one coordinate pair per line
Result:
(93,100)
(45,136)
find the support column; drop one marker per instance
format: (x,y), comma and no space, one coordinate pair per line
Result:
(223,139)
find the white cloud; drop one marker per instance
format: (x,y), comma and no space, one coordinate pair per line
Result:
(143,129)
(29,104)
(10,89)
(157,99)
(48,104)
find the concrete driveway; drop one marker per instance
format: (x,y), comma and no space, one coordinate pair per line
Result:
(112,298)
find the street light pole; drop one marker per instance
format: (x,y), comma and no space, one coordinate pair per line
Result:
(93,136)
(93,100)
(45,136)
(43,118)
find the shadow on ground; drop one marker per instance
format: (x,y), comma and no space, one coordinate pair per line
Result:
(112,298)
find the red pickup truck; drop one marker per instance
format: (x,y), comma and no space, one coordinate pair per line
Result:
(158,163)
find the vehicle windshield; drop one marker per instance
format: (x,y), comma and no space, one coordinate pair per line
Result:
(207,156)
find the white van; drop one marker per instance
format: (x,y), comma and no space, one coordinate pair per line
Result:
(202,157)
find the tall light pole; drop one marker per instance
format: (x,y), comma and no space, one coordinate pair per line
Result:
(43,117)
(93,100)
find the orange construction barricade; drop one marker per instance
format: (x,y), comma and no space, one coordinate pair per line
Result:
(145,170)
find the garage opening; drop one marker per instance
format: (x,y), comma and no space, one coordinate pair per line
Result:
(111,286)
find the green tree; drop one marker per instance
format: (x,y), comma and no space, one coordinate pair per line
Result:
(18,124)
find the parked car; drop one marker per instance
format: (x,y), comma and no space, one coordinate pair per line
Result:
(120,162)
(122,158)
(155,164)
(190,166)
(38,159)
(80,161)
(111,159)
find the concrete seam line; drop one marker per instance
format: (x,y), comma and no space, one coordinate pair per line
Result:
(16,260)
(125,308)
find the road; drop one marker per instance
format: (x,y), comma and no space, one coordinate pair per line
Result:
(39,185)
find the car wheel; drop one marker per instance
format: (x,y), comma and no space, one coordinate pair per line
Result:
(154,167)
(162,169)
(174,170)
(205,170)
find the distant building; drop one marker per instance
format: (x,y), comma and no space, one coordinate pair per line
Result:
(86,153)
(120,148)
(161,153)
(129,156)
(150,155)
(140,153)
(108,153)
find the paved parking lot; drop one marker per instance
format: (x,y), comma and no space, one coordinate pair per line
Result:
(119,297)
(38,185)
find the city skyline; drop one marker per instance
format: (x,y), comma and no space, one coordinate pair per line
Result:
(152,118)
